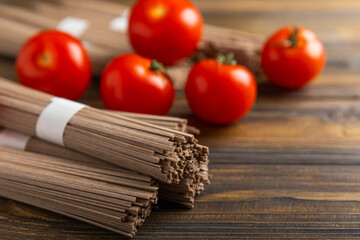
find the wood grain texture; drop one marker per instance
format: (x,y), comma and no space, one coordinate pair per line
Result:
(288,170)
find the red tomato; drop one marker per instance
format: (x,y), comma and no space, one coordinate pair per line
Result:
(292,57)
(165,30)
(220,93)
(136,84)
(54,62)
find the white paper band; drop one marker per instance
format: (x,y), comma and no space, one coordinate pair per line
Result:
(120,24)
(53,119)
(14,140)
(74,26)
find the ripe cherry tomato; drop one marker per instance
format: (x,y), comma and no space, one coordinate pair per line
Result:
(292,57)
(54,62)
(136,84)
(219,91)
(165,30)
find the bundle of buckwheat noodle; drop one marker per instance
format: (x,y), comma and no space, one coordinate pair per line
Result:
(117,200)
(102,26)
(167,155)
(183,194)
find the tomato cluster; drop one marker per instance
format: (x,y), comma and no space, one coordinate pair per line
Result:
(218,90)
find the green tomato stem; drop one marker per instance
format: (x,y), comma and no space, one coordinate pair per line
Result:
(226,59)
(158,68)
(293,38)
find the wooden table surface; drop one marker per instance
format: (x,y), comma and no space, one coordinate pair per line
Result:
(289,169)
